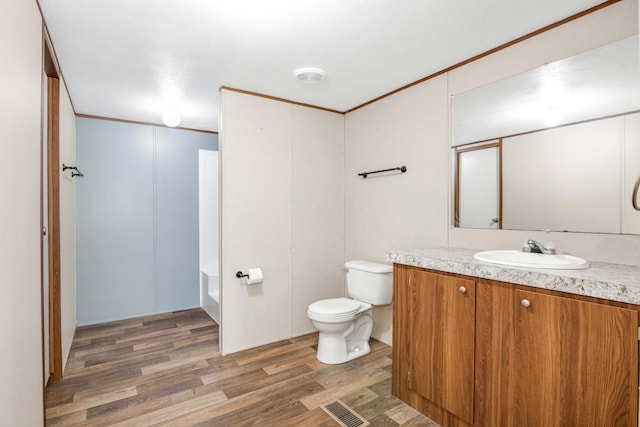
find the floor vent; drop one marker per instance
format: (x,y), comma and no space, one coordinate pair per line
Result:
(344,415)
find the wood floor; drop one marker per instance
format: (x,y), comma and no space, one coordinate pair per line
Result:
(165,370)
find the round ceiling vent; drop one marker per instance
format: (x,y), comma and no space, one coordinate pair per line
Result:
(309,74)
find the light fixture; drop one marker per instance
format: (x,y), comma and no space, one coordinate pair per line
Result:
(171,117)
(309,74)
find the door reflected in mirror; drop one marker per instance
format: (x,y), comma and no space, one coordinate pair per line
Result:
(478,186)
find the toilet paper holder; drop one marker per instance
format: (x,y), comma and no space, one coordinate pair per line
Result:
(253,276)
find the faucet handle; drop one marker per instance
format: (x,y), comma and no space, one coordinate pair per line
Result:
(548,248)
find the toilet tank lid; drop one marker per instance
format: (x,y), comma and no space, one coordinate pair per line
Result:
(369,266)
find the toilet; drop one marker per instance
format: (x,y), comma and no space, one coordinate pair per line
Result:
(345,324)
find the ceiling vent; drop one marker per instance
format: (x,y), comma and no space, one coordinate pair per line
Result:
(309,75)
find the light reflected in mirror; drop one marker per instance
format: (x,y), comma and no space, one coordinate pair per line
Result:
(573,177)
(598,83)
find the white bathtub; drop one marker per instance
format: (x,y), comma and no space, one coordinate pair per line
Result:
(210,291)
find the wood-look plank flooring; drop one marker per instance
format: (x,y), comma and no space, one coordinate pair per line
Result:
(166,370)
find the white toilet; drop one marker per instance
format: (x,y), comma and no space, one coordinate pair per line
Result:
(345,324)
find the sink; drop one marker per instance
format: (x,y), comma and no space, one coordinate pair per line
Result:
(532,260)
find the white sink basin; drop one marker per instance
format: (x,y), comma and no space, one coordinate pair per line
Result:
(532,260)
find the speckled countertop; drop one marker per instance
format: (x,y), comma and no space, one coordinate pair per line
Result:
(615,282)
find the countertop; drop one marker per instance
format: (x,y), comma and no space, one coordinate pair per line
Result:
(616,282)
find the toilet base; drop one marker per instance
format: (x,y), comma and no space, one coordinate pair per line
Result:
(336,354)
(335,347)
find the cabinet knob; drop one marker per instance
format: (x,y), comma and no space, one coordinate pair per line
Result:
(525,303)
(462,290)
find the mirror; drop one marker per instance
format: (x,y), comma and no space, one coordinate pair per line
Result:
(562,130)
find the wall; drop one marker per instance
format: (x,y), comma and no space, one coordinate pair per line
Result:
(137,250)
(317,207)
(413,210)
(397,211)
(177,216)
(115,228)
(282,211)
(20,306)
(67,154)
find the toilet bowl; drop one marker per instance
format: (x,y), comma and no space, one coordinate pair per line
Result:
(345,324)
(345,327)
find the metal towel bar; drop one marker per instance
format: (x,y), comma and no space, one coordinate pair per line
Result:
(402,169)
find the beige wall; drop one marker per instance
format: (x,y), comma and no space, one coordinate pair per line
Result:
(413,211)
(21,394)
(67,222)
(317,222)
(397,211)
(281,200)
(20,309)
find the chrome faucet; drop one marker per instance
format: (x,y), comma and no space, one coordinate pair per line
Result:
(538,248)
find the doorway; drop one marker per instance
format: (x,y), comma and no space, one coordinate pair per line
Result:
(50,214)
(208,214)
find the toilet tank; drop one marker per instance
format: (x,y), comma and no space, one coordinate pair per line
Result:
(370,282)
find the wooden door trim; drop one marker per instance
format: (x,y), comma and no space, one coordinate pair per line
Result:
(53,160)
(494,143)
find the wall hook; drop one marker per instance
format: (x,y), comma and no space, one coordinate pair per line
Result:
(75,172)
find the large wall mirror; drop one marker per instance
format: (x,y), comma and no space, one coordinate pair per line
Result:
(556,147)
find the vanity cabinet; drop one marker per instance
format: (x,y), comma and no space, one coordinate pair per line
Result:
(441,330)
(575,362)
(515,357)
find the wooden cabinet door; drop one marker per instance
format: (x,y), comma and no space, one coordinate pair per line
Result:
(442,332)
(494,382)
(576,363)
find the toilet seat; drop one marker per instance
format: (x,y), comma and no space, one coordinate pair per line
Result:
(336,309)
(335,306)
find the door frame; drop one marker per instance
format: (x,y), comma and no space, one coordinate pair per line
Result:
(52,159)
(475,147)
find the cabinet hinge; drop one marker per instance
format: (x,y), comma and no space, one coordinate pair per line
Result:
(639,333)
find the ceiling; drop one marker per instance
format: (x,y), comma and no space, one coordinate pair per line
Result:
(133,59)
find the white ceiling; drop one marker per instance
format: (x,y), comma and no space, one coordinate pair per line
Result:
(132,59)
